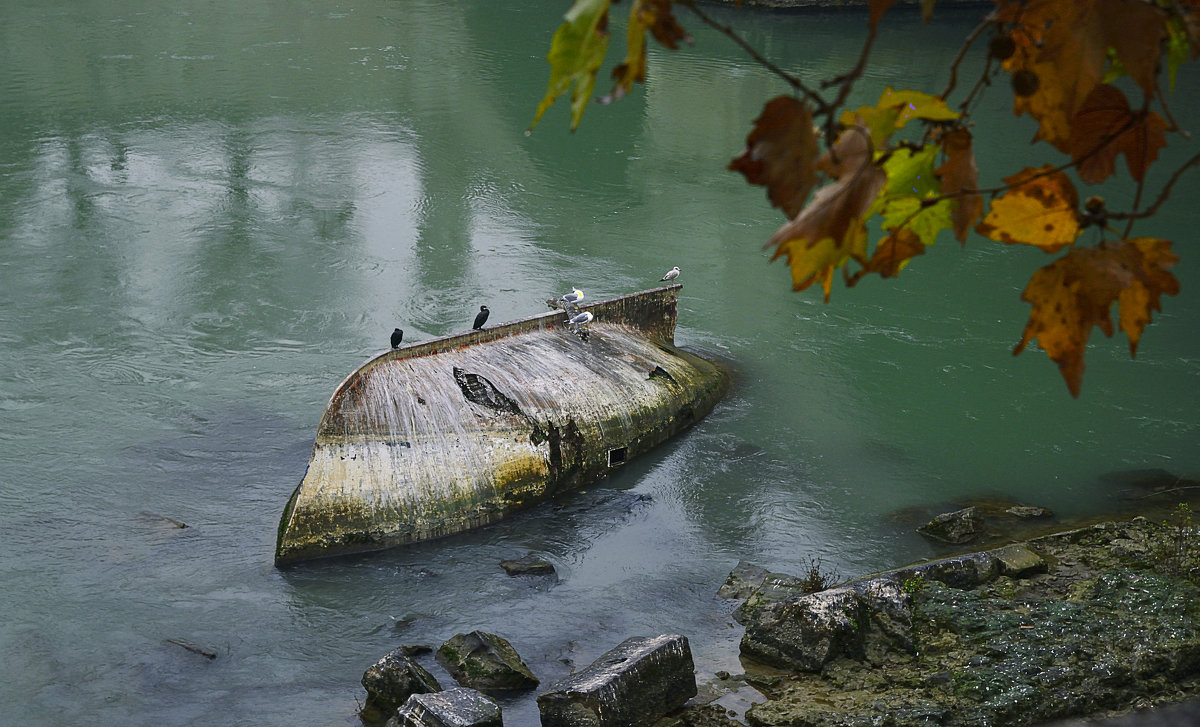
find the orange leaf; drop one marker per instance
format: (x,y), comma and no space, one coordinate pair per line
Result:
(1039,210)
(1065,46)
(1076,292)
(780,153)
(1104,127)
(959,174)
(891,254)
(830,229)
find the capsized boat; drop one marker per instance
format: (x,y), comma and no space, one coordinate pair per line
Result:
(458,432)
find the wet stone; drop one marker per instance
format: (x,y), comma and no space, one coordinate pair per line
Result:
(484,661)
(528,565)
(742,581)
(964,571)
(1017,561)
(641,680)
(807,632)
(456,707)
(392,680)
(961,526)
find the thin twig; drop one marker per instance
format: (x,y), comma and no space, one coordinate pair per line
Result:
(847,81)
(1162,196)
(729,32)
(962,53)
(1162,100)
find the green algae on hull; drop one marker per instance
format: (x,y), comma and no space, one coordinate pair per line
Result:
(455,433)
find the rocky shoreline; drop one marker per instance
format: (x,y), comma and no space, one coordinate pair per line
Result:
(1092,622)
(1042,622)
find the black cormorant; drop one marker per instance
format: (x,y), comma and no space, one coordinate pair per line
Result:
(481,318)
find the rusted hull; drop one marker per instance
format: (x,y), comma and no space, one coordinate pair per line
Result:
(452,434)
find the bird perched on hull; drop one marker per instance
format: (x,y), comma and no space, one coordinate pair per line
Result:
(574,296)
(397,337)
(671,274)
(481,318)
(582,318)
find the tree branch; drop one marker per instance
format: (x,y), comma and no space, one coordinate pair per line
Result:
(847,81)
(1162,196)
(791,80)
(962,53)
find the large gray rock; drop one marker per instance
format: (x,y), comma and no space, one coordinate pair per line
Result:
(485,661)
(806,632)
(864,621)
(635,684)
(392,680)
(456,707)
(958,527)
(960,571)
(743,580)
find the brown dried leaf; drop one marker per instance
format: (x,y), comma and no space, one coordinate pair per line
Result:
(1065,45)
(1105,127)
(656,15)
(830,230)
(878,8)
(780,153)
(1040,209)
(1076,292)
(959,174)
(851,152)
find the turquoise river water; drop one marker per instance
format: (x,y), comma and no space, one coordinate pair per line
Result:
(211,212)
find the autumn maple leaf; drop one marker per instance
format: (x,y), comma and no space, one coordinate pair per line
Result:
(1076,292)
(780,154)
(1039,209)
(1104,127)
(891,254)
(959,176)
(646,15)
(830,229)
(1064,47)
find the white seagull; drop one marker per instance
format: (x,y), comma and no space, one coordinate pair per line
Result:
(584,317)
(671,274)
(574,296)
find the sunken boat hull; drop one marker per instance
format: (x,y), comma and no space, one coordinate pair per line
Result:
(455,433)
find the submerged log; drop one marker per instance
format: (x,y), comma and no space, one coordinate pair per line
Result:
(447,435)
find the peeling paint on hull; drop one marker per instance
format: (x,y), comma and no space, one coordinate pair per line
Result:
(455,433)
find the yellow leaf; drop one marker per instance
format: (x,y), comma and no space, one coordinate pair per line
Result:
(895,109)
(1039,209)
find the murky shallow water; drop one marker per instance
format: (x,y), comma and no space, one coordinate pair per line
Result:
(211,212)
